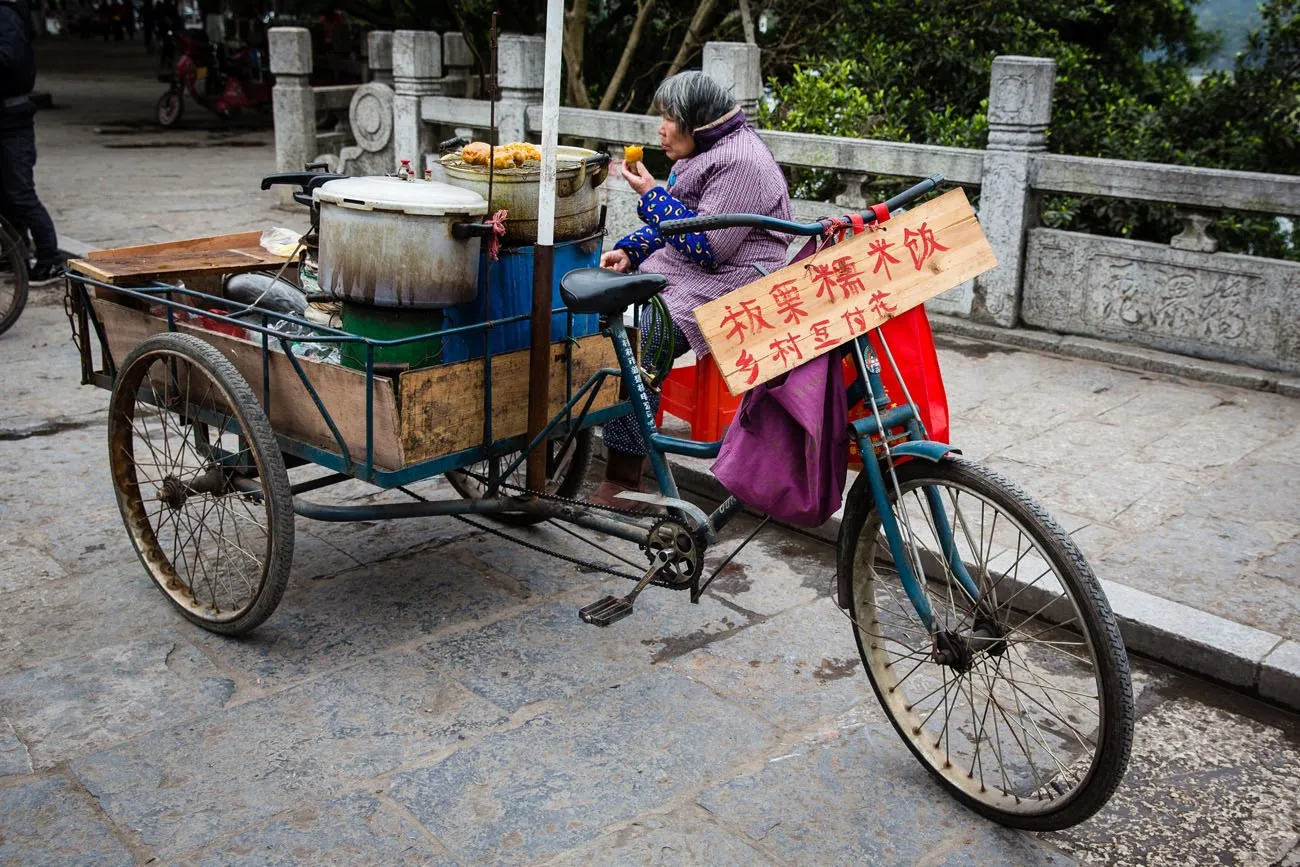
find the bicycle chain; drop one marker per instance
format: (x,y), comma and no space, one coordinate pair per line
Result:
(587,565)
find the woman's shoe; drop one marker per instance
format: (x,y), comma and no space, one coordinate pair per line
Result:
(622,474)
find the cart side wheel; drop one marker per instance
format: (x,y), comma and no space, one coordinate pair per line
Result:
(171,107)
(201,483)
(13,276)
(565,474)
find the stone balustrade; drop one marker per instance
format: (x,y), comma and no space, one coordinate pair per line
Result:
(1183,296)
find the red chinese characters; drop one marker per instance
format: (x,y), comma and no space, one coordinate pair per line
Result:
(821,335)
(784,349)
(921,244)
(878,305)
(788,302)
(748,318)
(880,249)
(825,279)
(848,276)
(856,319)
(746,363)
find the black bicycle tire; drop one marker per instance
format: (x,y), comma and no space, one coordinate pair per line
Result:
(13,249)
(274,478)
(1115,689)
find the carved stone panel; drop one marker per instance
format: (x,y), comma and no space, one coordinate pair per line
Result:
(1224,307)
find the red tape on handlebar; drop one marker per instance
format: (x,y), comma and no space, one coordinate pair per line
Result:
(858,224)
(881,211)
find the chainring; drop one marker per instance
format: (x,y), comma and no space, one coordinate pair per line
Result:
(671,544)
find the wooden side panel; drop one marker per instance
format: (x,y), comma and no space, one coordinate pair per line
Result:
(293,413)
(189,245)
(121,269)
(442,407)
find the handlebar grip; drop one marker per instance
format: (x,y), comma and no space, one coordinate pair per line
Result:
(709,221)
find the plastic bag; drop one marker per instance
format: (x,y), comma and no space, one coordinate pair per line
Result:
(280,242)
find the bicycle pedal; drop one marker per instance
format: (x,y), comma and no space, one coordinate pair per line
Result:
(609,610)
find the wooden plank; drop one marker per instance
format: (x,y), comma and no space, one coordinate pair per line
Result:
(292,413)
(119,270)
(808,308)
(188,245)
(442,407)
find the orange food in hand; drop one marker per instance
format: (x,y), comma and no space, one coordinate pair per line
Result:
(633,154)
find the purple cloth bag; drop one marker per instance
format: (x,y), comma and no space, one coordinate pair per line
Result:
(787,450)
(786,453)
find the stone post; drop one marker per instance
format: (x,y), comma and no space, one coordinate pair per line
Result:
(379,56)
(293,104)
(417,66)
(521,65)
(735,66)
(457,62)
(1020,107)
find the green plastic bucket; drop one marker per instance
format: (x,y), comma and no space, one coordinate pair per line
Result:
(392,323)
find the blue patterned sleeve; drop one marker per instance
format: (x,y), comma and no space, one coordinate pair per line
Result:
(659,204)
(640,244)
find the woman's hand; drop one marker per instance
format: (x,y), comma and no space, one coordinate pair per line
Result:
(638,178)
(616,260)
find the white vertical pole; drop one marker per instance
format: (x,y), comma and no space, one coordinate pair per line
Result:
(539,366)
(550,121)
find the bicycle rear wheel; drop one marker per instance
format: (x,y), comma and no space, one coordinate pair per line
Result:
(13,277)
(1020,705)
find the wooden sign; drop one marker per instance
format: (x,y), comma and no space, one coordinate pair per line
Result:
(808,308)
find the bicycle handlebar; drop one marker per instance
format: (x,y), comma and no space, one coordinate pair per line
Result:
(757,221)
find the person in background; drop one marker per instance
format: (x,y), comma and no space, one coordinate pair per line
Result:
(147,25)
(720,165)
(18,200)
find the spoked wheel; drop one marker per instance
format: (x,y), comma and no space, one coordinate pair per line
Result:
(564,473)
(201,483)
(13,277)
(1021,705)
(170,108)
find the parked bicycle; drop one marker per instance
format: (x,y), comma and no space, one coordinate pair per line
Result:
(13,275)
(984,633)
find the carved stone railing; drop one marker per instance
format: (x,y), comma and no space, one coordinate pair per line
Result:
(1183,297)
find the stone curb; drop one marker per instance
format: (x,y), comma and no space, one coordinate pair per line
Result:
(1140,358)
(1247,659)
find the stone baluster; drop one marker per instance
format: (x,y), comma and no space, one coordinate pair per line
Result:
(853,191)
(1020,107)
(457,66)
(379,56)
(1195,235)
(417,68)
(735,66)
(521,65)
(293,104)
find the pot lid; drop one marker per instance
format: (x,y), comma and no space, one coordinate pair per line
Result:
(421,198)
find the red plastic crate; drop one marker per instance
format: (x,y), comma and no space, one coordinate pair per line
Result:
(698,395)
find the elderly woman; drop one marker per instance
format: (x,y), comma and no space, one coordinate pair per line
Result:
(720,165)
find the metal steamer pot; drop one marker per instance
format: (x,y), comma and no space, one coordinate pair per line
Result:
(387,242)
(578,173)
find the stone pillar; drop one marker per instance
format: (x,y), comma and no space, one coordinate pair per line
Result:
(735,66)
(457,65)
(293,104)
(1020,106)
(379,56)
(417,66)
(521,66)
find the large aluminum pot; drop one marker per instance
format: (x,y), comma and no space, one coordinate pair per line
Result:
(578,173)
(389,242)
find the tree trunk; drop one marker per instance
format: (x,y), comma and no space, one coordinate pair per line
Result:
(643,8)
(747,21)
(575,27)
(694,36)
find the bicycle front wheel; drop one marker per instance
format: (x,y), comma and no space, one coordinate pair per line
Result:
(1020,701)
(13,277)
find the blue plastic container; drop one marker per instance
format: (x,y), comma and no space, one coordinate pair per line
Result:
(512,295)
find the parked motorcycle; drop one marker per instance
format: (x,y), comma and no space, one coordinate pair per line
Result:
(223,82)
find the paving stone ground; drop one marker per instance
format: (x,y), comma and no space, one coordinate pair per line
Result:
(425,693)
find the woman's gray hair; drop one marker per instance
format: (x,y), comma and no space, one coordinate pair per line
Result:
(691,100)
